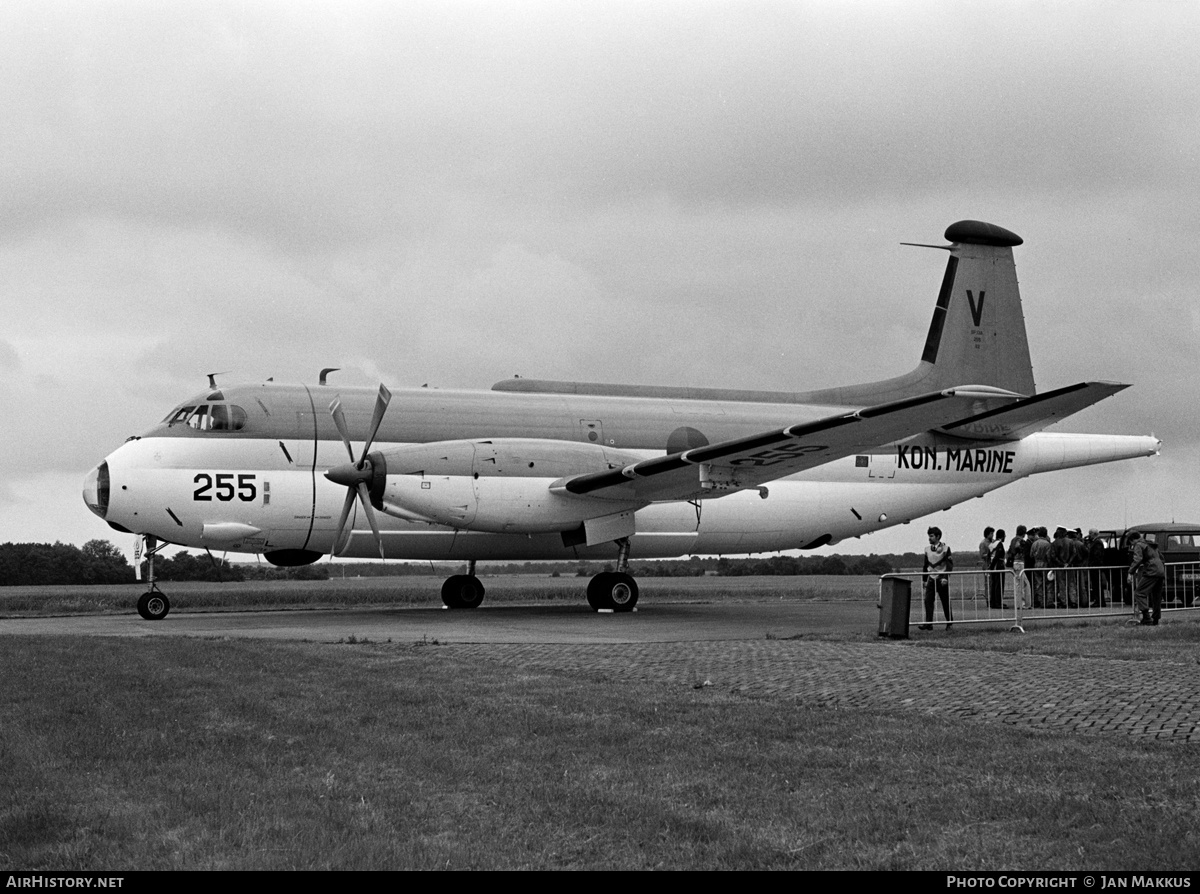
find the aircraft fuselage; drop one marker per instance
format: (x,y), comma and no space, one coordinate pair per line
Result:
(262,487)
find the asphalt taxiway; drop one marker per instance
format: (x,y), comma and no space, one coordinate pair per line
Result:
(565,624)
(763,649)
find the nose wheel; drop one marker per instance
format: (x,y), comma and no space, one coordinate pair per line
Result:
(154,605)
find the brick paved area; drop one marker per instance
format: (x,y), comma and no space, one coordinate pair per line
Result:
(1159,700)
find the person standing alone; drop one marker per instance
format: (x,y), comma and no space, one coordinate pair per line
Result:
(938,562)
(1148,575)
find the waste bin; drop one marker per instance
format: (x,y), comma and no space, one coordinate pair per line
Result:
(895,597)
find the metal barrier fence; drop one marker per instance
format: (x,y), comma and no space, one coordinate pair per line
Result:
(975,597)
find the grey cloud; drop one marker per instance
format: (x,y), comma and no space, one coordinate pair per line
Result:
(456,192)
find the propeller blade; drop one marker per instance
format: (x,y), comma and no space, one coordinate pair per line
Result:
(354,477)
(339,419)
(366,504)
(381,405)
(341,528)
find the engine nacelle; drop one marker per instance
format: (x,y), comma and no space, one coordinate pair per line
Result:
(498,485)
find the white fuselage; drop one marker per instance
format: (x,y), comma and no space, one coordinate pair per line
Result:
(261,487)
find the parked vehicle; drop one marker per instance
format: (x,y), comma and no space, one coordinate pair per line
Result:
(1179,545)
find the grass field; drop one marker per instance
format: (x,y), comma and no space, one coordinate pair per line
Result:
(165,752)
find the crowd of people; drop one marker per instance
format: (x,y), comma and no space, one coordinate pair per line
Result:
(1065,572)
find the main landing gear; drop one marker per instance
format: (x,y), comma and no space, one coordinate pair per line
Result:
(153,604)
(463,590)
(614,591)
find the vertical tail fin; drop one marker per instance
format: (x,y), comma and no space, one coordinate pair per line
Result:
(977,336)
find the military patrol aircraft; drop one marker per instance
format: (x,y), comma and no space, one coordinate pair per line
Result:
(537,469)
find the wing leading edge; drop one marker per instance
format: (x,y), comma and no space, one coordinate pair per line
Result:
(742,463)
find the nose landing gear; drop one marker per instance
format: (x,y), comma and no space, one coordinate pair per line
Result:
(153,604)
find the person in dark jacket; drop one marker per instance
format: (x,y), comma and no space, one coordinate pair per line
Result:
(1148,575)
(1039,554)
(1060,560)
(996,571)
(1076,584)
(1096,579)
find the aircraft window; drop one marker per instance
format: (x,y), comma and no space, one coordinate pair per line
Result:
(215,417)
(179,415)
(227,417)
(200,420)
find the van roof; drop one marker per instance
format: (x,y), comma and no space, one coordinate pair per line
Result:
(1169,527)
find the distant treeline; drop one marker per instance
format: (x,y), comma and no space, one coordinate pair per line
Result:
(100,562)
(792,565)
(693,567)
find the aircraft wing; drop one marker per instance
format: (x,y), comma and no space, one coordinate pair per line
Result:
(747,462)
(1032,414)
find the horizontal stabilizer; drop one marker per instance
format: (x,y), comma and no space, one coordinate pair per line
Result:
(742,463)
(1032,414)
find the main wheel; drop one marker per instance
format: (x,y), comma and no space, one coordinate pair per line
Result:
(612,590)
(153,605)
(623,592)
(462,591)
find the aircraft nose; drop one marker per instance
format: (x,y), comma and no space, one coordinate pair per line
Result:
(95,490)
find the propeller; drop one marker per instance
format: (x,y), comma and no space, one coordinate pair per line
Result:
(356,474)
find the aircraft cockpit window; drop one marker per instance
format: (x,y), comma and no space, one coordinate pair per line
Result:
(179,415)
(227,417)
(218,417)
(210,417)
(200,420)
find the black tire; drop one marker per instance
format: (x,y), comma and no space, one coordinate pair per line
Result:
(153,605)
(462,591)
(612,590)
(596,590)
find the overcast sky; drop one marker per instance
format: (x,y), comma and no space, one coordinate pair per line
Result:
(691,193)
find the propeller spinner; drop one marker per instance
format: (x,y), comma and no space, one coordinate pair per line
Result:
(357,474)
